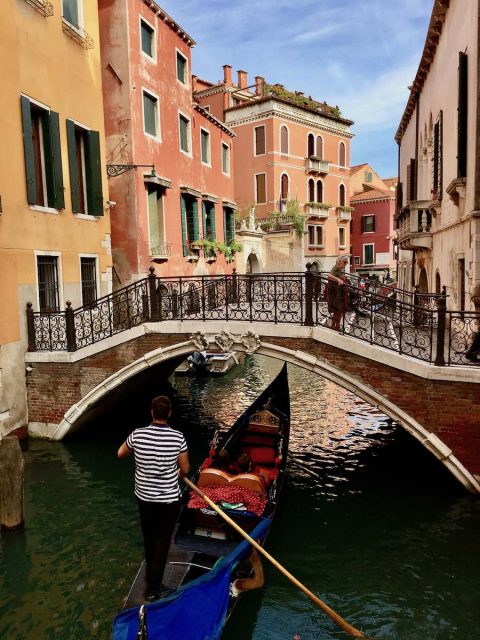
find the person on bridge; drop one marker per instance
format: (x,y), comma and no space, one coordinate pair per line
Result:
(337,294)
(161,457)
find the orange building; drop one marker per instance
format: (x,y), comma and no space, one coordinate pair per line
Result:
(287,147)
(169,159)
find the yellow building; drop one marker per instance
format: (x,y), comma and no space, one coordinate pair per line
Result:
(54,218)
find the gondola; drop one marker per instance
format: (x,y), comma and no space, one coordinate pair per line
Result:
(209,564)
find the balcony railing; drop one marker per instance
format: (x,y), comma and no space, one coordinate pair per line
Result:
(79,35)
(42,6)
(315,210)
(415,225)
(315,165)
(161,251)
(344,214)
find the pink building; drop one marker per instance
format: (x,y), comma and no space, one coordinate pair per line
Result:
(183,193)
(287,147)
(371,231)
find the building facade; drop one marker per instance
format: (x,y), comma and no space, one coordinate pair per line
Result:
(287,148)
(54,219)
(170,160)
(371,231)
(438,219)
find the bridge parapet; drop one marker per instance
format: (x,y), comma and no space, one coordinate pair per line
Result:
(408,323)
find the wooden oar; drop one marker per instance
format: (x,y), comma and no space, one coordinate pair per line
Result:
(343,624)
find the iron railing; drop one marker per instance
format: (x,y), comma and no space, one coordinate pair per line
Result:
(408,323)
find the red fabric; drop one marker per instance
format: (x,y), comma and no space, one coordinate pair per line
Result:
(253,501)
(261,455)
(206,463)
(265,473)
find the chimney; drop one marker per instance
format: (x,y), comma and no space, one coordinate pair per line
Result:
(227,75)
(242,79)
(259,85)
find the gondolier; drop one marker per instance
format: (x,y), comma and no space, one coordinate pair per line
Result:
(161,456)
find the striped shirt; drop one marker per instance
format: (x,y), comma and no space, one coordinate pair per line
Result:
(156,449)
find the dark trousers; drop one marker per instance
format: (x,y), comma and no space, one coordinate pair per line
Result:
(157,520)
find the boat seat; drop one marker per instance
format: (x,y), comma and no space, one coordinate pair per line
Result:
(248,481)
(213,477)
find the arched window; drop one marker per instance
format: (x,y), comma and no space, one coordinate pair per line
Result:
(320,147)
(438,283)
(319,191)
(341,195)
(311,190)
(341,154)
(284,186)
(310,145)
(284,140)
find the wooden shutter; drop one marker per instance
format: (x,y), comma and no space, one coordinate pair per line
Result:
(284,140)
(28,151)
(56,195)
(320,147)
(183,217)
(462,118)
(73,166)
(204,218)
(259,140)
(93,170)
(437,155)
(409,180)
(196,235)
(319,191)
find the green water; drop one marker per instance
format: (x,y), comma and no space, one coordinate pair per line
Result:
(368,521)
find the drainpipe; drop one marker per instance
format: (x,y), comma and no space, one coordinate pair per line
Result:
(476,202)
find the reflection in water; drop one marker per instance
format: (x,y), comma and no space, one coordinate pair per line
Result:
(368,520)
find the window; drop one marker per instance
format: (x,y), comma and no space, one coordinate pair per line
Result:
(315,235)
(208,210)
(367,176)
(85,170)
(150,115)
(43,157)
(368,254)
(341,154)
(438,156)
(341,195)
(225,158)
(259,140)
(356,260)
(260,189)
(368,224)
(284,186)
(88,276)
(205,146)
(284,140)
(342,237)
(462,115)
(47,276)
(311,190)
(147,36)
(72,12)
(181,68)
(184,130)
(189,213)
(228,224)
(320,147)
(310,145)
(156,223)
(319,191)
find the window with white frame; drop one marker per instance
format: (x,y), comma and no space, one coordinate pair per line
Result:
(315,235)
(368,254)
(181,68)
(310,145)
(205,146)
(260,147)
(226,158)
(341,195)
(88,277)
(260,188)
(368,223)
(147,38)
(342,237)
(72,12)
(151,124)
(48,285)
(184,133)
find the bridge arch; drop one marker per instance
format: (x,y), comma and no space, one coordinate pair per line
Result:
(297,357)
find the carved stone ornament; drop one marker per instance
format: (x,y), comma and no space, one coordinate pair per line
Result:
(199,340)
(251,342)
(224,340)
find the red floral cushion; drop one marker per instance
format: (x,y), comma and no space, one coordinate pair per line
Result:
(253,501)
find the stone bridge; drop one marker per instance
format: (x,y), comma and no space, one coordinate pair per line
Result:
(439,406)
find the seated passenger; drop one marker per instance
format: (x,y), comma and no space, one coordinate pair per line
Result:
(242,465)
(222,461)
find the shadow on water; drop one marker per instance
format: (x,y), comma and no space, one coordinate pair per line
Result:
(369,521)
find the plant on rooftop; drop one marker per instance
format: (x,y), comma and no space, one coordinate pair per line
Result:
(299,99)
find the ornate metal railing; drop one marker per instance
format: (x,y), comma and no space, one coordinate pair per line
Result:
(412,325)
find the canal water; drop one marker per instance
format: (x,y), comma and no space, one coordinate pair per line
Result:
(369,521)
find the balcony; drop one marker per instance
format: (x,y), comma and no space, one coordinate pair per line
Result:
(42,6)
(160,252)
(318,210)
(415,226)
(344,214)
(79,35)
(315,165)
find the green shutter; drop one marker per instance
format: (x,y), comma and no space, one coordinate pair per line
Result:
(93,170)
(59,197)
(72,163)
(183,216)
(196,235)
(204,219)
(48,158)
(28,150)
(212,222)
(225,225)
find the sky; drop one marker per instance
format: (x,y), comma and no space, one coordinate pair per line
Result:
(358,54)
